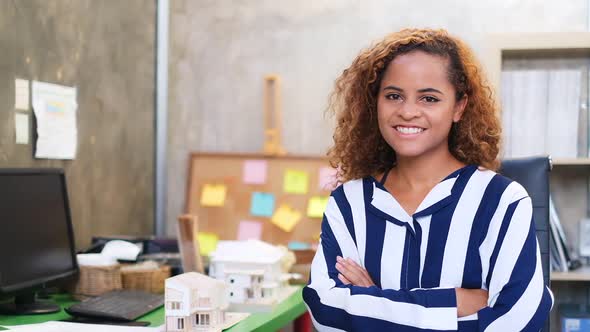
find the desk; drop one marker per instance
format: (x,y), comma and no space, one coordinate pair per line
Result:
(286,312)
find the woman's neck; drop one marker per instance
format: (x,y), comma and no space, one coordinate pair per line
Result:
(423,172)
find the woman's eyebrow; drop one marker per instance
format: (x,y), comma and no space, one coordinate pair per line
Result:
(395,88)
(430,90)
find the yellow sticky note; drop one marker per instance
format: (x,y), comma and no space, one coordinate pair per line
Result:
(317,206)
(207,243)
(213,195)
(296,182)
(286,217)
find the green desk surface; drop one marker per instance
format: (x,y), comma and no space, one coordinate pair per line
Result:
(285,312)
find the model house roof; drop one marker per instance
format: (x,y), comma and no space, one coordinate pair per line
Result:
(250,251)
(192,280)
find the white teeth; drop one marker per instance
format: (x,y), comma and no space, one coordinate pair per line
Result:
(407,130)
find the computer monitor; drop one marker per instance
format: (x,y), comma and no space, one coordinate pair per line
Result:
(36,236)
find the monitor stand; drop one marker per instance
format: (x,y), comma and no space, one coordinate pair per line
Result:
(27,304)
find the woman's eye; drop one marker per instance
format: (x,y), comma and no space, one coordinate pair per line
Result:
(430,99)
(393,96)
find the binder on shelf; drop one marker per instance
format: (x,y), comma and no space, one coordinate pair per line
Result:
(561,258)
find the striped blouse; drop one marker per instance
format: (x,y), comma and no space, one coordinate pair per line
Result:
(473,230)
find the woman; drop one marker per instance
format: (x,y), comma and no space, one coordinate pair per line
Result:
(423,235)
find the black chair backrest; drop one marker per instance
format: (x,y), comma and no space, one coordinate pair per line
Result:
(533,174)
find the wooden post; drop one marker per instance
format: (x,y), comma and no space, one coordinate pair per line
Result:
(188,243)
(272,116)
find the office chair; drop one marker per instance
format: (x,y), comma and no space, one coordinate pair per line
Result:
(533,174)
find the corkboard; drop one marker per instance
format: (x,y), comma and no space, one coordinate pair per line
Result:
(215,169)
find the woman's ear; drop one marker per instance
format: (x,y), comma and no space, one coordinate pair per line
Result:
(460,108)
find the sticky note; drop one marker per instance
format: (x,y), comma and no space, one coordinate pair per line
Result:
(249,230)
(286,217)
(213,195)
(262,204)
(317,206)
(327,178)
(21,126)
(295,245)
(207,243)
(254,171)
(296,182)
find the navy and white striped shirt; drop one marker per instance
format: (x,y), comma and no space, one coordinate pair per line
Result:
(473,230)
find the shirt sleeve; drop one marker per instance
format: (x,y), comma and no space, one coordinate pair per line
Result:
(335,306)
(518,299)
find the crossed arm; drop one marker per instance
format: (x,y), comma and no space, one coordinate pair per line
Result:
(469,301)
(341,295)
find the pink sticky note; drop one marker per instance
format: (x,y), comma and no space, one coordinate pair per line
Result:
(255,171)
(327,178)
(249,230)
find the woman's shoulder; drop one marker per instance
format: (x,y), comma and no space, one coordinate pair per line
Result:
(501,182)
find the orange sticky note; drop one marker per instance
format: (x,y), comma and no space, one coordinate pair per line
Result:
(213,195)
(317,206)
(286,217)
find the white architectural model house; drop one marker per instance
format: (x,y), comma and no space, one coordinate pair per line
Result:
(255,273)
(196,302)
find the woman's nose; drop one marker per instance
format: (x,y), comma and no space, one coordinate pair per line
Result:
(409,111)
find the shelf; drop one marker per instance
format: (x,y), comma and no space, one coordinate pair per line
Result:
(581,274)
(571,161)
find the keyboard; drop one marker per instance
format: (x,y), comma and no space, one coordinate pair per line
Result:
(121,305)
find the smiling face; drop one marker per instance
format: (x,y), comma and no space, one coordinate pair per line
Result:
(417,105)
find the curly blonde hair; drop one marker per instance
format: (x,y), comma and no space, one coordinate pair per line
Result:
(359,150)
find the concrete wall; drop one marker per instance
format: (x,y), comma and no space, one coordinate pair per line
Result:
(106,49)
(221,50)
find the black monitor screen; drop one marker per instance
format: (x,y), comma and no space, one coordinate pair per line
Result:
(36,241)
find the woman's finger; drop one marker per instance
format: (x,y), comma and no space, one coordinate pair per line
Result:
(366,278)
(343,279)
(354,273)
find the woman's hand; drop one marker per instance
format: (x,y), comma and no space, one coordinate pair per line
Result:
(470,301)
(352,274)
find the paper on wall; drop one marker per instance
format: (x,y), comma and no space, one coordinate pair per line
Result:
(286,218)
(21,127)
(317,206)
(213,195)
(55,110)
(207,242)
(21,94)
(254,171)
(295,182)
(262,204)
(249,230)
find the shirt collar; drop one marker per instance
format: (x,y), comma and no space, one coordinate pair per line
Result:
(383,204)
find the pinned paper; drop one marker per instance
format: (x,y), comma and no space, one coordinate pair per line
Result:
(286,217)
(296,245)
(262,205)
(213,195)
(21,94)
(207,243)
(249,230)
(317,206)
(21,126)
(55,109)
(327,178)
(255,171)
(296,182)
